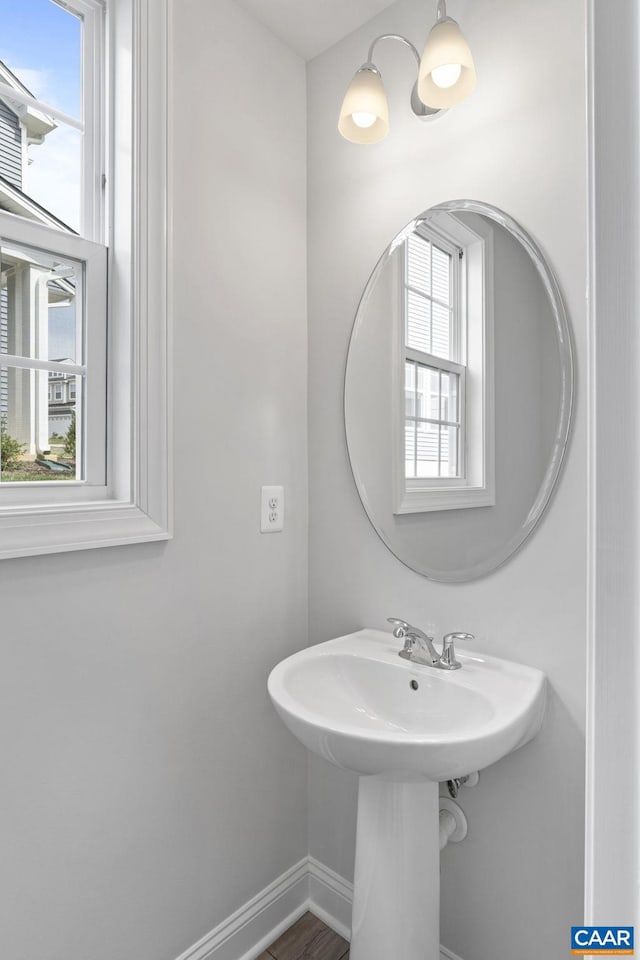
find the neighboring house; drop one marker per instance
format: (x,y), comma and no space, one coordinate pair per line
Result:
(62,401)
(28,287)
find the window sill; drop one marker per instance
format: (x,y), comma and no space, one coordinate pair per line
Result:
(444,498)
(59,530)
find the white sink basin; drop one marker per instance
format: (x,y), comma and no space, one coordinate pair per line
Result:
(351,700)
(403,727)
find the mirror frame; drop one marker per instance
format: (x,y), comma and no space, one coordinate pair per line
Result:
(566,406)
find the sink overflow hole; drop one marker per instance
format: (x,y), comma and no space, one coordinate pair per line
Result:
(414,684)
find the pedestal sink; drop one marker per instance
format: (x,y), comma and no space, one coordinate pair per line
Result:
(404,728)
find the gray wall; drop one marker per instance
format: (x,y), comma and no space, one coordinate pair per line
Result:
(148,789)
(514,887)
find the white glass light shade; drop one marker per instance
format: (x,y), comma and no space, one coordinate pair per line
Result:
(364,117)
(446,47)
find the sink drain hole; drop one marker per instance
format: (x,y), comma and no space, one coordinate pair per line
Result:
(414,684)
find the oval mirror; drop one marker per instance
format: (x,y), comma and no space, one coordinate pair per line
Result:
(458,391)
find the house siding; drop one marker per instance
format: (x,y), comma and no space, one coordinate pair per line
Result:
(11,170)
(10,146)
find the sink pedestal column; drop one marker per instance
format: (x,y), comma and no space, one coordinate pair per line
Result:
(396,901)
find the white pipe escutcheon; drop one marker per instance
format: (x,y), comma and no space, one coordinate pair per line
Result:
(453,823)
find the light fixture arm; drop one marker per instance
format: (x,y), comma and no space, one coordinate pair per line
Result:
(441,13)
(393,36)
(418,107)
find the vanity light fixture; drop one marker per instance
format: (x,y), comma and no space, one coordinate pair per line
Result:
(447,72)
(364,117)
(446,75)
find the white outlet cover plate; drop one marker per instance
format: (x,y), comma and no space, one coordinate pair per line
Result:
(272,510)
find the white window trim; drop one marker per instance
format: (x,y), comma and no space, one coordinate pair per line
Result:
(477,489)
(136,506)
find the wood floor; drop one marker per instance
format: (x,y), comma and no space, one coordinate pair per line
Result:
(308,939)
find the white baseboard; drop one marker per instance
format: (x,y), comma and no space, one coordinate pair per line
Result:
(330,897)
(308,885)
(246,933)
(448,954)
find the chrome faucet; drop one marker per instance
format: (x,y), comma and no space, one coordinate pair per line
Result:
(419,648)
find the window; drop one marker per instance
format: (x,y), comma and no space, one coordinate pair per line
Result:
(443,374)
(53,264)
(77,357)
(434,377)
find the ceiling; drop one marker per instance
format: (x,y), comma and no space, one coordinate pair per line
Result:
(311,26)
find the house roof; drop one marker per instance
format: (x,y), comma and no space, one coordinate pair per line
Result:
(37,124)
(13,200)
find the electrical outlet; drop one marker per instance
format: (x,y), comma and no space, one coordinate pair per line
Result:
(272,510)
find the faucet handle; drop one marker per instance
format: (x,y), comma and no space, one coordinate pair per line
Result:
(448,657)
(401,627)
